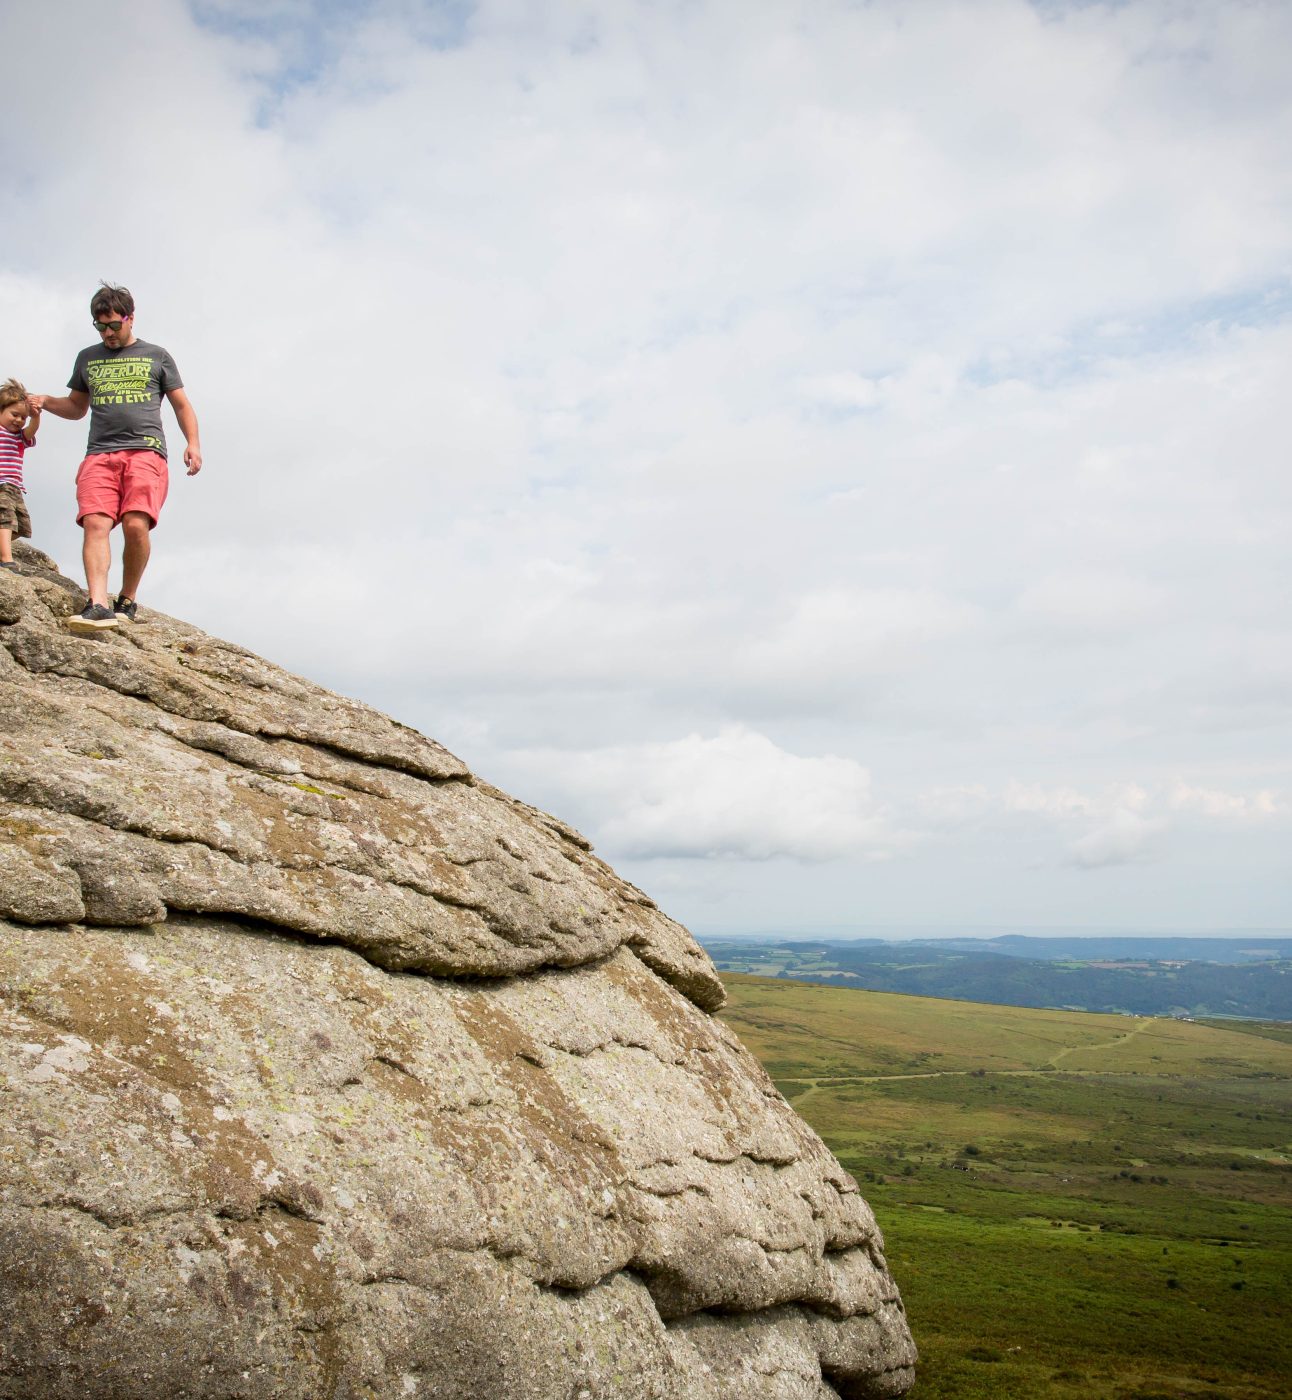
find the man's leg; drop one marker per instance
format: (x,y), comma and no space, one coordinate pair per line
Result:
(96,553)
(137,528)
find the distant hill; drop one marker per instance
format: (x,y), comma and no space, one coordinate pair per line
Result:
(1256,948)
(1139,976)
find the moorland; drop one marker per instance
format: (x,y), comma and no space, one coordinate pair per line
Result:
(1075,1204)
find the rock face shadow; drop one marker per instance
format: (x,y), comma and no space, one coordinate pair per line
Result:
(331,1071)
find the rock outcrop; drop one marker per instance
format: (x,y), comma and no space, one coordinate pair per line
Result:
(329,1071)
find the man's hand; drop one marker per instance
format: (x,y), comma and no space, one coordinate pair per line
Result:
(74,406)
(187,421)
(36,403)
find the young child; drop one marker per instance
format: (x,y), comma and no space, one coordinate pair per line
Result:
(18,424)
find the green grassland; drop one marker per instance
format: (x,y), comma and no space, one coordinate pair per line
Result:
(1074,1205)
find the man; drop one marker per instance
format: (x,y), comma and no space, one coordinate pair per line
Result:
(124,477)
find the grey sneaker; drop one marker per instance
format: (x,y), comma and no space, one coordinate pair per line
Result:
(94,617)
(8,564)
(125,608)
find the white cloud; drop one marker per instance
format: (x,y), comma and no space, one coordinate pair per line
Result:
(1226,806)
(1096,606)
(1035,798)
(733,794)
(835,636)
(1121,823)
(1124,838)
(843,390)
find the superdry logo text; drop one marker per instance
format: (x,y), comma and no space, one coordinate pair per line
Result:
(122,380)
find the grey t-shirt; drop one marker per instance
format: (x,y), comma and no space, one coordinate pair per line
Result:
(125,388)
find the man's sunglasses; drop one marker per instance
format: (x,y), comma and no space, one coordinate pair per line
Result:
(113,326)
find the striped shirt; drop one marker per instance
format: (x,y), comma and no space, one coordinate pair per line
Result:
(12,446)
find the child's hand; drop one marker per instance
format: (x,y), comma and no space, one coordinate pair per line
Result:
(36,404)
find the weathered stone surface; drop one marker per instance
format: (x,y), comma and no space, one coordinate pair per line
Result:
(328,1070)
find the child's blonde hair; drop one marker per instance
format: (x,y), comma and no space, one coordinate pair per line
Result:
(12,392)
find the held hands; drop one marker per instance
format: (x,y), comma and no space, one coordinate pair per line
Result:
(192,453)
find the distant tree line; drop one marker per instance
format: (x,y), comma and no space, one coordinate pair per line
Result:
(1258,989)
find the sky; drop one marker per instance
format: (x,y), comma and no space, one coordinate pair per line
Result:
(832,454)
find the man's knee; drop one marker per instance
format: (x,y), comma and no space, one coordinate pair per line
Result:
(98,526)
(135,524)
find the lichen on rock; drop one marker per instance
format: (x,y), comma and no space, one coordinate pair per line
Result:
(328,1069)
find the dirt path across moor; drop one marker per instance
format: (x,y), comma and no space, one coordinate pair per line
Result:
(814,1085)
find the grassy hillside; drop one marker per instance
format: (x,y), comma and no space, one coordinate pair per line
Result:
(1074,1204)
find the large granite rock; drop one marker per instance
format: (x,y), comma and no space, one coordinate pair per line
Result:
(327,1070)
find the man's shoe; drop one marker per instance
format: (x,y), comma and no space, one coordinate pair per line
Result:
(94,617)
(125,608)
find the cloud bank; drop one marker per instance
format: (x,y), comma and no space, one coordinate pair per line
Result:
(747,430)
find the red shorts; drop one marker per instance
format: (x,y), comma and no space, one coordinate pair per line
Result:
(111,483)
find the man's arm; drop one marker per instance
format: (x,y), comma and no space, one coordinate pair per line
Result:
(75,405)
(187,419)
(32,426)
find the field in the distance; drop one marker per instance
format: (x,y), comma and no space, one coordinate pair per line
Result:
(1074,1204)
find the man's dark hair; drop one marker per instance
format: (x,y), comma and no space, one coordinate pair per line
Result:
(108,298)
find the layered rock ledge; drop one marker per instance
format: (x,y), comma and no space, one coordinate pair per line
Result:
(328,1070)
